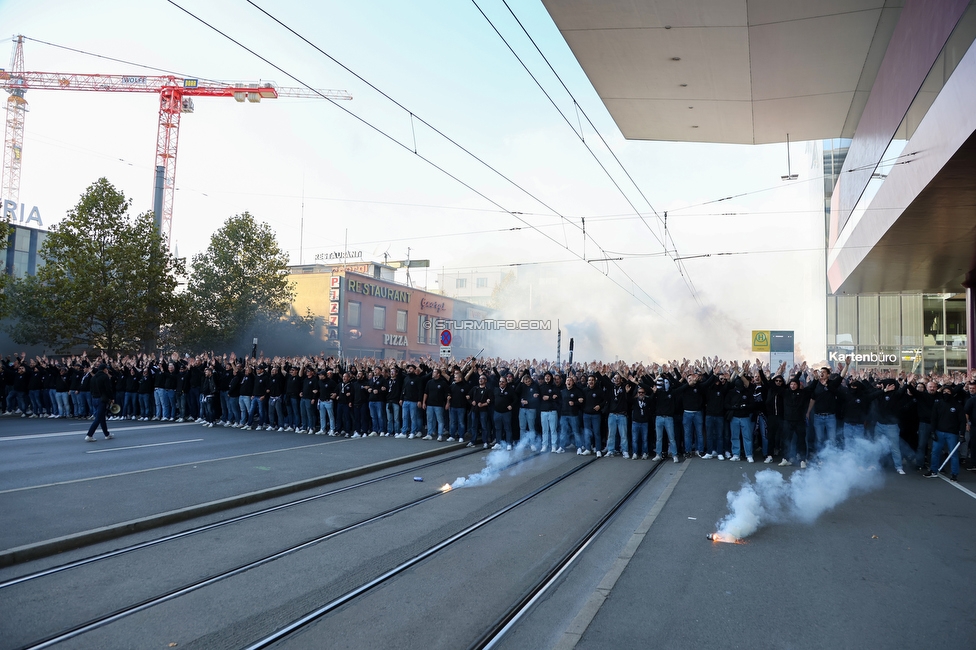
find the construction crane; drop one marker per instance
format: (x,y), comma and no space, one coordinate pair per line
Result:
(175,98)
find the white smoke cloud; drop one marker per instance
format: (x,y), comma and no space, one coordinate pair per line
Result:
(497,462)
(806,494)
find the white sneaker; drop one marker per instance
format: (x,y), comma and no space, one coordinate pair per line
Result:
(599,454)
(486,446)
(508,448)
(735,459)
(544,450)
(579,452)
(749,458)
(427,437)
(450,439)
(784,463)
(768,460)
(440,438)
(585,452)
(372,434)
(643,456)
(675,459)
(89,439)
(719,456)
(627,456)
(559,450)
(656,457)
(803,464)
(900,471)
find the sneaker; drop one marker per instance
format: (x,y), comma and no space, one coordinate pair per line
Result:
(109,436)
(585,452)
(470,444)
(768,460)
(803,464)
(579,452)
(559,450)
(599,454)
(954,478)
(400,436)
(784,463)
(735,459)
(357,435)
(644,457)
(900,471)
(372,434)
(410,437)
(749,458)
(708,457)
(497,445)
(486,446)
(508,448)
(675,459)
(657,457)
(626,456)
(440,438)
(450,439)
(971,468)
(931,474)
(727,456)
(89,439)
(427,437)
(544,450)
(719,457)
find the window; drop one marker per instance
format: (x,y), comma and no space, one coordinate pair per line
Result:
(461,283)
(422,327)
(401,325)
(481,283)
(379,318)
(353,316)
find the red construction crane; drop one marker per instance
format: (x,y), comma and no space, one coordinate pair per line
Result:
(175,98)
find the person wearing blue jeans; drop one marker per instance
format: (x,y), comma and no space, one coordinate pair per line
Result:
(529,398)
(693,424)
(948,419)
(570,411)
(739,404)
(824,405)
(664,425)
(411,419)
(640,416)
(503,401)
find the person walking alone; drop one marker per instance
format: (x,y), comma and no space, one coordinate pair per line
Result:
(101,392)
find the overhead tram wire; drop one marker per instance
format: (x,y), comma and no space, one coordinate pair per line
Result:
(682,271)
(414,116)
(656,307)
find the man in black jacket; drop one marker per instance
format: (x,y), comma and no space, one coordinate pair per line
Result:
(947,421)
(101,391)
(503,401)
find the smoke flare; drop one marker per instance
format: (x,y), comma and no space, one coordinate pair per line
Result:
(807,494)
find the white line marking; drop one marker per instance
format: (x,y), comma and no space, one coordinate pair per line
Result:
(957,486)
(153,469)
(155,444)
(76,432)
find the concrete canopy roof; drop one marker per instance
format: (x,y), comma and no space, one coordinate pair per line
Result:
(730,71)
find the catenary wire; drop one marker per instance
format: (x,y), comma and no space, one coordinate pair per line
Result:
(656,307)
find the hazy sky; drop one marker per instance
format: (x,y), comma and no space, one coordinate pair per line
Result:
(318,175)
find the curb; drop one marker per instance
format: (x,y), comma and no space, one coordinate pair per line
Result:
(37,550)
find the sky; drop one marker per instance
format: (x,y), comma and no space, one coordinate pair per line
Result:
(460,159)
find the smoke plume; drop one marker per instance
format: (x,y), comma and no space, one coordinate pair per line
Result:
(832,479)
(497,462)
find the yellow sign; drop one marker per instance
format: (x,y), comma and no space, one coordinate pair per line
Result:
(760,340)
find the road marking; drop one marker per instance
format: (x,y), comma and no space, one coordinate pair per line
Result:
(155,444)
(62,434)
(153,469)
(957,486)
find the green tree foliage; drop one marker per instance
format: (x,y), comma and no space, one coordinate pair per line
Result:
(5,231)
(107,280)
(238,287)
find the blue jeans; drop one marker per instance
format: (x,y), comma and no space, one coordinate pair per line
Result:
(743,427)
(527,426)
(924,435)
(503,427)
(64,408)
(244,401)
(825,429)
(457,416)
(233,409)
(591,430)
(169,400)
(393,422)
(714,425)
(435,421)
(853,431)
(276,411)
(550,429)
(692,422)
(130,408)
(377,413)
(308,414)
(411,418)
(617,425)
(638,437)
(35,399)
(570,424)
(665,424)
(947,440)
(259,408)
(145,405)
(482,427)
(100,408)
(327,421)
(890,433)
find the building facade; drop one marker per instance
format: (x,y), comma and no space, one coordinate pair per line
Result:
(361,313)
(21,257)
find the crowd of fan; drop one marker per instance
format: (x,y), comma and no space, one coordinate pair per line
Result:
(707,408)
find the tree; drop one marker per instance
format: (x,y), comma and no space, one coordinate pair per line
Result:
(237,286)
(107,281)
(5,231)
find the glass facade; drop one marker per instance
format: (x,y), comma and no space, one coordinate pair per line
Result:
(21,258)
(913,332)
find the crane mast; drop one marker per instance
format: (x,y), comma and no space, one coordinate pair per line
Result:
(175,98)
